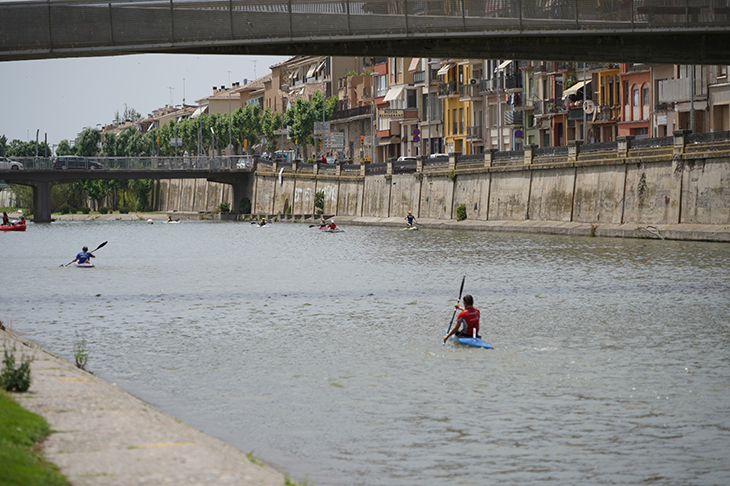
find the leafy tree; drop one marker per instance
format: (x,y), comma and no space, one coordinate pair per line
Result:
(248,124)
(128,114)
(269,123)
(64,148)
(3,145)
(109,145)
(88,144)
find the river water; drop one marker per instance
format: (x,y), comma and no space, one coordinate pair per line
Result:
(321,353)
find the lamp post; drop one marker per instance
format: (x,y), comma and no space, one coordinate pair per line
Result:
(373,119)
(230,137)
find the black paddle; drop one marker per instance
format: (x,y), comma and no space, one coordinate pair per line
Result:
(92,251)
(454,314)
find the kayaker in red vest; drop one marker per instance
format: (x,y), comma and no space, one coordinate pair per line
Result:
(467,324)
(6,219)
(332,225)
(84,256)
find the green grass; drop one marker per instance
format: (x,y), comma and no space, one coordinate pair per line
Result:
(20,431)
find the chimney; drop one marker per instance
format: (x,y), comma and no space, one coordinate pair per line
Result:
(215,89)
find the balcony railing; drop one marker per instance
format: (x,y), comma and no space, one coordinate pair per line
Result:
(513,82)
(469,91)
(474,133)
(513,118)
(360,110)
(448,89)
(491,85)
(419,77)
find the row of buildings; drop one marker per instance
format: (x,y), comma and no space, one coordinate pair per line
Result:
(391,107)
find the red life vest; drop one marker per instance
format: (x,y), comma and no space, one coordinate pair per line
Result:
(469,318)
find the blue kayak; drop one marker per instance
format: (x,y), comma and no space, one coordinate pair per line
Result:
(476,342)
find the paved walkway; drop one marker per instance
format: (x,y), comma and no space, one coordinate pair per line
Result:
(105,436)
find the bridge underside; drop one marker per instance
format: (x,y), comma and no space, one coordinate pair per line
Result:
(670,31)
(660,48)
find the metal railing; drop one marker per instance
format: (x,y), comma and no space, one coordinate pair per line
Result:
(141,163)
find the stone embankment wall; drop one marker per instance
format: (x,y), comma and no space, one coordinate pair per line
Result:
(673,180)
(190,195)
(684,179)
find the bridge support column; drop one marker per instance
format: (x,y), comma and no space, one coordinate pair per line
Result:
(42,201)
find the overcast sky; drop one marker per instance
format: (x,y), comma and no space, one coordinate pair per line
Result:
(61,97)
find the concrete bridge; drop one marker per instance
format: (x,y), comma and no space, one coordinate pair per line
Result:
(39,174)
(658,31)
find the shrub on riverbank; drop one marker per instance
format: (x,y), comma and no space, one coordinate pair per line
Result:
(20,432)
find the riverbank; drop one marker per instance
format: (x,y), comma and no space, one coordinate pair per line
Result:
(684,232)
(105,436)
(687,232)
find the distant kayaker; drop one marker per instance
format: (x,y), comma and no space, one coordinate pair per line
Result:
(410,218)
(467,324)
(322,222)
(262,222)
(84,256)
(332,225)
(169,219)
(6,219)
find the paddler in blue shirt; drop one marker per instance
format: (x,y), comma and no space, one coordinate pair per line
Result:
(84,256)
(410,218)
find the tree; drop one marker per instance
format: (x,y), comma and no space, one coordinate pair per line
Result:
(271,122)
(247,123)
(3,145)
(88,144)
(64,148)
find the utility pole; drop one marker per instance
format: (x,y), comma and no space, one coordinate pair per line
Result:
(230,137)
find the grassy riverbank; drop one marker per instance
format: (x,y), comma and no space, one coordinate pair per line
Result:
(20,433)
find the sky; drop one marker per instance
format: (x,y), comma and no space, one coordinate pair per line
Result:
(60,97)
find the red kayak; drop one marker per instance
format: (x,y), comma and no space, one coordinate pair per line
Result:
(13,227)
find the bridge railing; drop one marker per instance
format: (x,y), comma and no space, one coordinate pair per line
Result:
(68,25)
(147,163)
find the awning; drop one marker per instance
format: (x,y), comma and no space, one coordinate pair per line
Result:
(415,62)
(394,93)
(312,70)
(504,65)
(199,111)
(321,65)
(389,140)
(574,89)
(445,68)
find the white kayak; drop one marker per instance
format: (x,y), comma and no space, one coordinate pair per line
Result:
(84,265)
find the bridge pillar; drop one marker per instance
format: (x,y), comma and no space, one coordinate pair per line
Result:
(42,201)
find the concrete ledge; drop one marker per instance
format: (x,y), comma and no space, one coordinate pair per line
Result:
(104,436)
(687,232)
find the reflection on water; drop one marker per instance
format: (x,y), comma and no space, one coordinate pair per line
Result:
(322,351)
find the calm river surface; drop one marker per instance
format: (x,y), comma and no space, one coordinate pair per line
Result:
(322,353)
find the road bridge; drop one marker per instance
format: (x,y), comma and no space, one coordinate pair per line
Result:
(39,174)
(658,31)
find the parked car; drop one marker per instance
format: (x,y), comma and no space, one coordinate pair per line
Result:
(245,162)
(438,156)
(6,164)
(331,159)
(74,162)
(404,158)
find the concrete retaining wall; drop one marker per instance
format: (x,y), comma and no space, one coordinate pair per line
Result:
(652,186)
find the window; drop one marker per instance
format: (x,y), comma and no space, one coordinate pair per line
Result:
(411,96)
(381,86)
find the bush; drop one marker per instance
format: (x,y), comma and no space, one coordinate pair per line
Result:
(461,212)
(103,210)
(319,202)
(244,207)
(225,207)
(85,210)
(64,209)
(73,210)
(123,210)
(15,379)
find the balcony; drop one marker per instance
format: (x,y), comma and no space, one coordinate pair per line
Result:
(676,90)
(513,82)
(513,118)
(469,91)
(490,85)
(448,89)
(419,77)
(360,110)
(474,133)
(607,114)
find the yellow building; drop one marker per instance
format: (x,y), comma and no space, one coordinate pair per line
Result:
(455,93)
